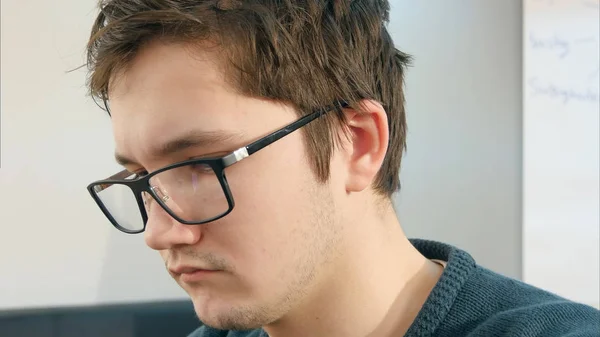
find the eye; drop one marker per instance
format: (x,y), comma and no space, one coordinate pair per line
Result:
(202,168)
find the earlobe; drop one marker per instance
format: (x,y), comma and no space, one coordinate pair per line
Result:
(367,144)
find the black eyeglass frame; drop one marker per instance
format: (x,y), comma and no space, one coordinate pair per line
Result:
(218,165)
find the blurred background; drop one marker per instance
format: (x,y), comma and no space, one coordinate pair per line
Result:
(502,161)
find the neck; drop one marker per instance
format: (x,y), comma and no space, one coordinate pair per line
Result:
(375,287)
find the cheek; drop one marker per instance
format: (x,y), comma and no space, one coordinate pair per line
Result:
(272,202)
(272,183)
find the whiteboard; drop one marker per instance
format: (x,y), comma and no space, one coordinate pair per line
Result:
(561,147)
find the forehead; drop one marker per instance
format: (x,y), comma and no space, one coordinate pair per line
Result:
(168,80)
(168,91)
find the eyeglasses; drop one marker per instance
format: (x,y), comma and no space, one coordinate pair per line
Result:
(193,192)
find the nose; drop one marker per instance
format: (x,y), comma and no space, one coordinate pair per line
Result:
(163,231)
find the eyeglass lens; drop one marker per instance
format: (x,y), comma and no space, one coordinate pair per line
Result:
(192,193)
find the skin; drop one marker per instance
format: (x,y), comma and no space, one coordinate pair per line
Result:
(295,256)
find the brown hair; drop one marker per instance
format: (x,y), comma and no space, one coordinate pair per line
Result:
(308,53)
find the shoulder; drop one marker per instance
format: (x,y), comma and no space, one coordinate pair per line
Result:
(508,307)
(547,319)
(470,300)
(205,331)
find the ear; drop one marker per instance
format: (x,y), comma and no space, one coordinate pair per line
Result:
(367,144)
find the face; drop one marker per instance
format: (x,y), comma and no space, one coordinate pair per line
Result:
(268,253)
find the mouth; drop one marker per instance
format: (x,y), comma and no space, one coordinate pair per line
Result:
(192,274)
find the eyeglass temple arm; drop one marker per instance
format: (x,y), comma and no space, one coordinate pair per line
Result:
(246,151)
(118,176)
(277,135)
(269,139)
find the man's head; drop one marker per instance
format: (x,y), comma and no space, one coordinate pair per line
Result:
(228,73)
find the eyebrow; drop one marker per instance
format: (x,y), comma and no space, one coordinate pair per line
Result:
(188,140)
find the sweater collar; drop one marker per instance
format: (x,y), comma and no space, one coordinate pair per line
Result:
(459,266)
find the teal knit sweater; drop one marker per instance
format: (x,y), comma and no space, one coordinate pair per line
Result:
(471,301)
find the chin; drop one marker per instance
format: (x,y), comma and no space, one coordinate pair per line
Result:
(229,316)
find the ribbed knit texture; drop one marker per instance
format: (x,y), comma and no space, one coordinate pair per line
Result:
(472,301)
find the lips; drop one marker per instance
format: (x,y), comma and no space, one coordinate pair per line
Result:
(192,275)
(178,270)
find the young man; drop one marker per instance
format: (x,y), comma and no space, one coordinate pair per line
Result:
(261,142)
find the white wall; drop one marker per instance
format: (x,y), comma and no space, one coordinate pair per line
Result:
(461,175)
(56,248)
